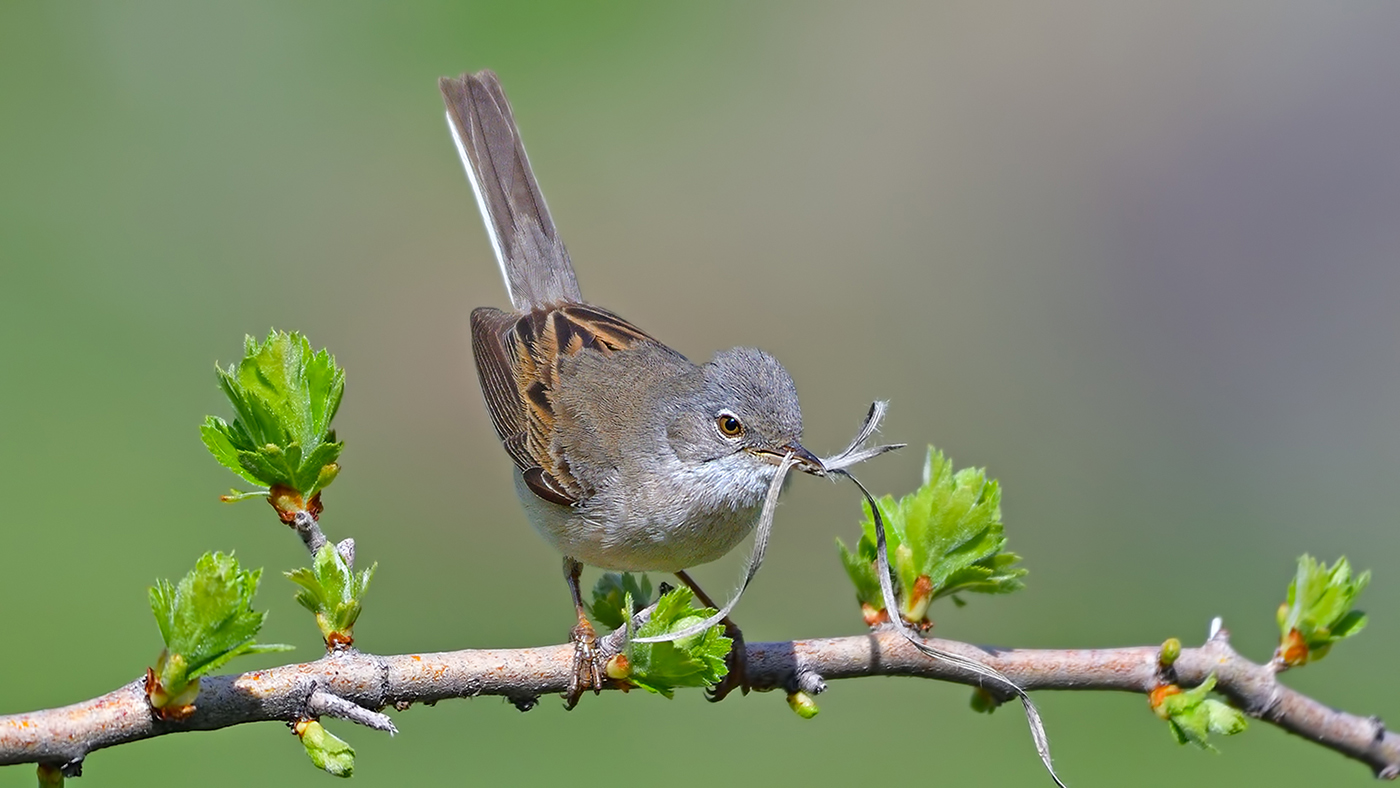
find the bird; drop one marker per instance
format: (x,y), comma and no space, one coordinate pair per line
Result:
(628,456)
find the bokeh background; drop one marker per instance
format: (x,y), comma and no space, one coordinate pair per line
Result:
(1139,260)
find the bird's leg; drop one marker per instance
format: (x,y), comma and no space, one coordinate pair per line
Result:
(737,677)
(587,674)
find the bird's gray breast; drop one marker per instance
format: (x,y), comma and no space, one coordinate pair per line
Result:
(645,509)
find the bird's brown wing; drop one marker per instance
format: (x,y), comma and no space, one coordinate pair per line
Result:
(517,359)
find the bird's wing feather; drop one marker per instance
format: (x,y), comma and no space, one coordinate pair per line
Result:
(517,359)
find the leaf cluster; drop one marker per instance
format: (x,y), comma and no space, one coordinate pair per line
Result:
(944,539)
(1319,611)
(611,594)
(284,396)
(695,661)
(205,620)
(333,591)
(1193,717)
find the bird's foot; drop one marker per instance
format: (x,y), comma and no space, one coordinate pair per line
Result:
(737,662)
(588,674)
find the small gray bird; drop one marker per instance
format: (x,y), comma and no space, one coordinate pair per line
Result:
(630,456)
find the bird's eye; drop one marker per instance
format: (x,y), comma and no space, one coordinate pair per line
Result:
(729,426)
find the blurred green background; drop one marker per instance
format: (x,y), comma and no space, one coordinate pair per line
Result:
(1141,261)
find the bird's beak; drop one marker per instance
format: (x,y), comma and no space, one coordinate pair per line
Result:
(806,461)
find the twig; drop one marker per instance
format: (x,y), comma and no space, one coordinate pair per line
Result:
(306,526)
(66,735)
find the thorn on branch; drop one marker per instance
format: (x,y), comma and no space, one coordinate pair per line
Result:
(1218,630)
(346,548)
(808,681)
(324,704)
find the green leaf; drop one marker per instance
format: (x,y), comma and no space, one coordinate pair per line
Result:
(284,396)
(326,750)
(1193,717)
(863,574)
(220,439)
(333,592)
(269,465)
(205,620)
(1319,611)
(610,594)
(695,661)
(311,473)
(945,538)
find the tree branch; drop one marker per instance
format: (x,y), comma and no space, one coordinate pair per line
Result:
(64,736)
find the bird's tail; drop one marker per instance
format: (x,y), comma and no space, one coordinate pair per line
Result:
(532,258)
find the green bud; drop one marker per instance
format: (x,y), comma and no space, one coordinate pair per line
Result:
(327,475)
(803,704)
(618,667)
(982,701)
(325,749)
(50,776)
(1170,652)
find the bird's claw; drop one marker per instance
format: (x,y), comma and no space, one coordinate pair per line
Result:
(736,660)
(588,673)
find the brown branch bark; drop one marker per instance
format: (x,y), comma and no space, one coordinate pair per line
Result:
(64,736)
